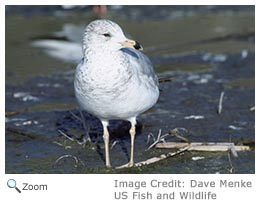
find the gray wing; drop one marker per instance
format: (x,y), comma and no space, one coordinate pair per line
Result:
(144,64)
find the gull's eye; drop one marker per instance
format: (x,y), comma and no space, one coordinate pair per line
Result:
(106,35)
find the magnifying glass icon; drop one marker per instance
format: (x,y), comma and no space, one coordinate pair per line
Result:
(11,183)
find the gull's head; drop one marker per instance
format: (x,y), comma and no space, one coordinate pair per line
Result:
(105,34)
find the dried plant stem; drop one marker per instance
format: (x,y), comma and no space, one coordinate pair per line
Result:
(205,146)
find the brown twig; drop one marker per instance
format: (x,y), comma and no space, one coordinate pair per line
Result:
(21,132)
(12,113)
(175,133)
(166,79)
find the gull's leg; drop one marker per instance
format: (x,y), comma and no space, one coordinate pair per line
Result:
(106,143)
(132,134)
(86,138)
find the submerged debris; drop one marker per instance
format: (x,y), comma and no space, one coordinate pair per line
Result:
(220,104)
(77,160)
(234,127)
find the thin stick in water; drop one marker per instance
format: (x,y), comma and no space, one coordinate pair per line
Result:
(220,104)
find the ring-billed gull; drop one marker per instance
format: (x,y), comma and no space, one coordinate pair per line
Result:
(114,80)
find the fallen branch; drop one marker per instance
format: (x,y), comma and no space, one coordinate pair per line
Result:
(155,159)
(205,146)
(161,157)
(194,146)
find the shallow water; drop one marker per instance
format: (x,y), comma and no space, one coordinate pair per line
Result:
(201,52)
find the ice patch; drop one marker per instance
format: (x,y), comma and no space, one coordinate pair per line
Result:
(244,53)
(214,57)
(234,127)
(200,79)
(25,96)
(195,158)
(29,122)
(196,117)
(8,120)
(56,85)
